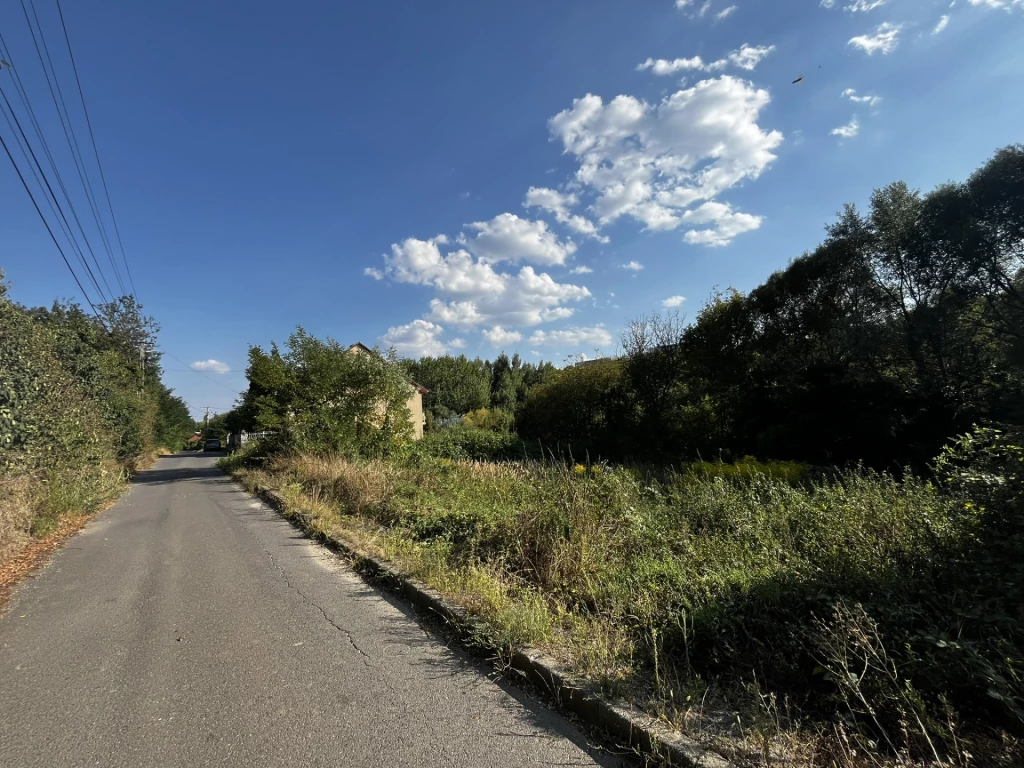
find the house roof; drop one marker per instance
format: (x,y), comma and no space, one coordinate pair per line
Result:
(359,345)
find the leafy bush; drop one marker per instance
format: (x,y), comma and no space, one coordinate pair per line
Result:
(580,406)
(749,467)
(495,420)
(77,410)
(987,466)
(467,443)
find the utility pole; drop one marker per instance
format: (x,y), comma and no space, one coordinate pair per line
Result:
(206,421)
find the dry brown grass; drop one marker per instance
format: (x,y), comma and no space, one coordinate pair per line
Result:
(16,515)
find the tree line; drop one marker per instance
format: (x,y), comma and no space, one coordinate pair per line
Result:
(904,327)
(81,404)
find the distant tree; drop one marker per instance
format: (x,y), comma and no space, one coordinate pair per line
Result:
(653,368)
(456,385)
(506,382)
(580,406)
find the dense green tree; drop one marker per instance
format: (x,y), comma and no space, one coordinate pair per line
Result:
(323,398)
(579,406)
(456,385)
(507,382)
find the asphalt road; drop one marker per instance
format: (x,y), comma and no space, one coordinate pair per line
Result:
(189,625)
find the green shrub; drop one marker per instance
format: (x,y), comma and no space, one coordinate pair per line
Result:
(987,466)
(725,575)
(495,420)
(467,443)
(748,468)
(77,410)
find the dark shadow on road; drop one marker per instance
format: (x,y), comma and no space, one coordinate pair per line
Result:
(177,474)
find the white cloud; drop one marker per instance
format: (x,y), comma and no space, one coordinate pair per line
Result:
(595,336)
(683,3)
(635,266)
(851,94)
(472,292)
(827,3)
(210,366)
(418,339)
(847,131)
(943,23)
(704,8)
(376,274)
(580,270)
(499,337)
(507,237)
(725,13)
(1005,4)
(654,161)
(673,301)
(560,203)
(670,67)
(457,344)
(885,39)
(745,57)
(749,56)
(863,6)
(727,224)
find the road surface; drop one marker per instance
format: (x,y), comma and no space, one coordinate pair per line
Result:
(189,625)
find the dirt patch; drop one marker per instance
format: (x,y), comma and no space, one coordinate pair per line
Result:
(35,554)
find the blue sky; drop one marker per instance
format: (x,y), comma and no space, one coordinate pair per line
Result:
(465,176)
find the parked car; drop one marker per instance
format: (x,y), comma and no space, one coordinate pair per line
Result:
(212,445)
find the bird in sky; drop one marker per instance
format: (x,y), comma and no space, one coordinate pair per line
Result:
(798,80)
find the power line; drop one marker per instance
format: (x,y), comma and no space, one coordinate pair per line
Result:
(199,373)
(76,152)
(26,150)
(92,138)
(46,224)
(40,175)
(64,116)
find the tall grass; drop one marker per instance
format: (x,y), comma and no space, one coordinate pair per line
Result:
(710,581)
(33,505)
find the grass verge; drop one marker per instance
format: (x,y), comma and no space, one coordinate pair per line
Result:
(831,621)
(39,512)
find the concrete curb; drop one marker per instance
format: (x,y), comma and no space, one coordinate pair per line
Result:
(622,721)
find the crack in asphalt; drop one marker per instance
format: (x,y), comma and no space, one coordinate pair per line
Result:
(284,576)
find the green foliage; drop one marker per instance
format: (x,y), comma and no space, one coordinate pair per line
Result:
(324,398)
(80,404)
(493,420)
(173,424)
(722,576)
(748,467)
(987,466)
(468,443)
(456,385)
(903,328)
(581,406)
(47,419)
